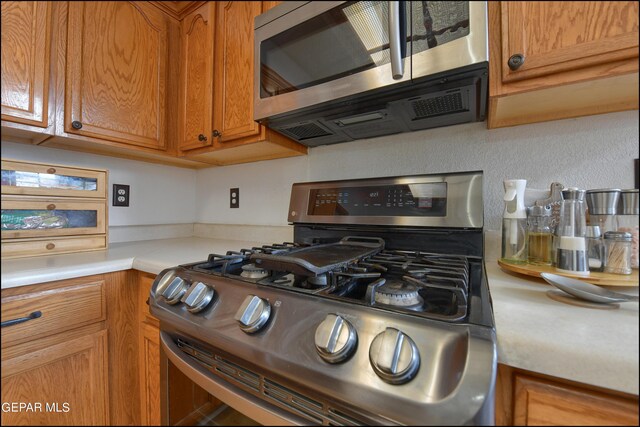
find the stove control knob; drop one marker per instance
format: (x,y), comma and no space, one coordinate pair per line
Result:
(394,356)
(175,290)
(253,314)
(335,339)
(198,297)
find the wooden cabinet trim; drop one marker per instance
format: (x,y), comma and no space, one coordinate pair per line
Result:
(177,9)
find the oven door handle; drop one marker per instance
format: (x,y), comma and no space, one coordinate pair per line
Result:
(397,38)
(243,402)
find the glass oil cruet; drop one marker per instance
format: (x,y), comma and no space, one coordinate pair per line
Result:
(514,222)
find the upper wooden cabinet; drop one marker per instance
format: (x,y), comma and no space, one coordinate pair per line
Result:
(196,100)
(234,70)
(116,72)
(233,137)
(166,82)
(552,60)
(26,49)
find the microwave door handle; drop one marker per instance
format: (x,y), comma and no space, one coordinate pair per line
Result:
(397,27)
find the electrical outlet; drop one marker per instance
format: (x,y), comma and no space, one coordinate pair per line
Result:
(234,198)
(120,195)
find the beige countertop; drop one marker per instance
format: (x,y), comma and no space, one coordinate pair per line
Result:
(536,333)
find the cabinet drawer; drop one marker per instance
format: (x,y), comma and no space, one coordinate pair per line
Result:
(51,217)
(63,245)
(40,179)
(63,307)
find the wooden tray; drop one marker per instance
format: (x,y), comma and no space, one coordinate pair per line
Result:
(605,279)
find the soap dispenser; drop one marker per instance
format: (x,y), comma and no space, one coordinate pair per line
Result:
(514,222)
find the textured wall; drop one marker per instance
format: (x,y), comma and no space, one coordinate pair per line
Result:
(159,194)
(587,152)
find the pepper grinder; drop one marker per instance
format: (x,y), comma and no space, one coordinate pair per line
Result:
(571,256)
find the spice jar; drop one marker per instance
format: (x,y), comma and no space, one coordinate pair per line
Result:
(595,248)
(617,252)
(539,235)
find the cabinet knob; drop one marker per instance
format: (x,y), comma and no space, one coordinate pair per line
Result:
(76,124)
(51,207)
(50,246)
(202,138)
(216,134)
(51,171)
(515,61)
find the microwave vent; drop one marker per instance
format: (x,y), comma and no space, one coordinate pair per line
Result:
(436,106)
(306,131)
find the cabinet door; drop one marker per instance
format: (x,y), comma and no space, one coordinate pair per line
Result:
(233,90)
(150,374)
(65,384)
(542,402)
(116,72)
(26,39)
(196,96)
(563,36)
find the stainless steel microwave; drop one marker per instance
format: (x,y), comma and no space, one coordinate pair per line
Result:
(334,71)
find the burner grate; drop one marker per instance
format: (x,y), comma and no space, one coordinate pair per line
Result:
(415,282)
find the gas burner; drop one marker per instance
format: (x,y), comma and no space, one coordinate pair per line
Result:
(316,281)
(251,271)
(398,293)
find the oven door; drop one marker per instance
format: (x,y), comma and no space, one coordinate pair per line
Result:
(191,395)
(322,51)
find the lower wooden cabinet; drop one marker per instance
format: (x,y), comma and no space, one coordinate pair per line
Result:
(149,355)
(74,362)
(526,398)
(149,348)
(55,366)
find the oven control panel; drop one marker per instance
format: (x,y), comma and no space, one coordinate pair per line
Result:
(443,200)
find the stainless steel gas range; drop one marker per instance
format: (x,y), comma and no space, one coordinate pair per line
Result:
(377,313)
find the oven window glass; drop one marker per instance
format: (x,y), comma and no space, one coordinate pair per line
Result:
(344,40)
(189,404)
(426,199)
(435,23)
